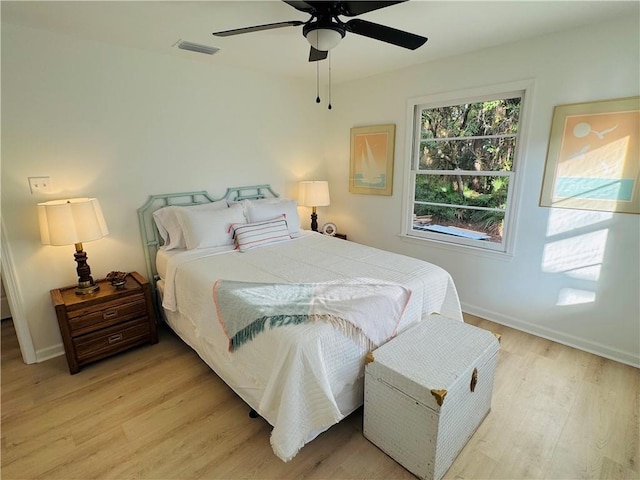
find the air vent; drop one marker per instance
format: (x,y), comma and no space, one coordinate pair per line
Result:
(196,47)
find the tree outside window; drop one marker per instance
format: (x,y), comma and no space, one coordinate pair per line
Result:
(462,170)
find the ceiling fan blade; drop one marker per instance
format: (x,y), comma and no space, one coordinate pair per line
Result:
(316,55)
(385,34)
(258,28)
(299,5)
(351,9)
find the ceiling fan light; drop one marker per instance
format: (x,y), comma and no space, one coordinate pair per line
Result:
(324,39)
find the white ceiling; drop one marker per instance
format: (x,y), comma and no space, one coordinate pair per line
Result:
(453,27)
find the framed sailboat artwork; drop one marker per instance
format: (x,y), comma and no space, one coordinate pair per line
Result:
(371,168)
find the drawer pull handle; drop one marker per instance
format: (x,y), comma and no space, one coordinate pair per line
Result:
(110,314)
(115,338)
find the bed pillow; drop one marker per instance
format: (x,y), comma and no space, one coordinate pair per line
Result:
(259,234)
(209,228)
(260,210)
(169,227)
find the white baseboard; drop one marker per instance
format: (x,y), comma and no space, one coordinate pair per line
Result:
(572,341)
(596,348)
(49,352)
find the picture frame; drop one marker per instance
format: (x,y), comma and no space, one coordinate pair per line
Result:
(593,158)
(371,159)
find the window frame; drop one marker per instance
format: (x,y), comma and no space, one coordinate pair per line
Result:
(522,89)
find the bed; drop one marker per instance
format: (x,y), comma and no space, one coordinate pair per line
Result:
(303,377)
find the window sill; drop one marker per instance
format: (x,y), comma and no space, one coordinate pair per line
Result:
(458,248)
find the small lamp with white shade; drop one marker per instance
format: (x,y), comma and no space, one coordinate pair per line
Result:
(71,222)
(314,194)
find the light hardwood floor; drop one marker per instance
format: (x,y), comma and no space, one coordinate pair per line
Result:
(158,412)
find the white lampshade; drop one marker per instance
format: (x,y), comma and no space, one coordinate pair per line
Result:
(314,194)
(324,39)
(67,222)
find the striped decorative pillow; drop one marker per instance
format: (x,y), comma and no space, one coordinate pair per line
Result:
(258,234)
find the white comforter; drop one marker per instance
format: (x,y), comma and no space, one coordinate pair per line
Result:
(294,375)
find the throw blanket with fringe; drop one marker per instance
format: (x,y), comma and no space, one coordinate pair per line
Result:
(367,313)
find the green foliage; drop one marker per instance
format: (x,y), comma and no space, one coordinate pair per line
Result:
(487,221)
(472,137)
(440,189)
(478,191)
(464,136)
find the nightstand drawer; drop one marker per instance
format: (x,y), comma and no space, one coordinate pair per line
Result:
(106,321)
(110,340)
(106,314)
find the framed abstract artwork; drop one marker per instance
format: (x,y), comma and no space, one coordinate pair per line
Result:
(593,160)
(371,166)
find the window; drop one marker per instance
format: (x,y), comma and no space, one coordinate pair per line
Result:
(463,164)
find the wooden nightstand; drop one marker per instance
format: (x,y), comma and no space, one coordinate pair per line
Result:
(105,322)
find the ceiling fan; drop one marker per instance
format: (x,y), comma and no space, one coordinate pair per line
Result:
(324,29)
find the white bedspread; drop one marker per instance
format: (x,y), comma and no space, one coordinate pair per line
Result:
(297,372)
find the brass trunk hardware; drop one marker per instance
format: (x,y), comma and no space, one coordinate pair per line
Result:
(368,358)
(439,395)
(474,379)
(498,336)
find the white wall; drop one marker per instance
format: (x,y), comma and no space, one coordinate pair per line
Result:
(558,252)
(122,124)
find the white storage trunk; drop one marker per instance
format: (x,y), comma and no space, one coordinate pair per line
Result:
(427,391)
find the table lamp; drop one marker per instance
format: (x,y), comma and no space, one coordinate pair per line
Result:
(314,194)
(71,222)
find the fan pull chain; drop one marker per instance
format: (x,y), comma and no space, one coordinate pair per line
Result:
(329,106)
(317,82)
(317,75)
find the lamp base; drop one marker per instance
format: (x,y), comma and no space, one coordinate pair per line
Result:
(83,290)
(85,280)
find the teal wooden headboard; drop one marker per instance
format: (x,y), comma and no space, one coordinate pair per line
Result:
(151,240)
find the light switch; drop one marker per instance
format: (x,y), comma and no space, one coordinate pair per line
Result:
(40,185)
